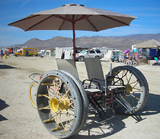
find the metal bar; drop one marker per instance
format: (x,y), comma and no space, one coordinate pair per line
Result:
(97,104)
(105,95)
(110,69)
(98,110)
(124,103)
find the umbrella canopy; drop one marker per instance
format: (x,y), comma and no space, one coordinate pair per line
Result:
(73,17)
(148,44)
(126,51)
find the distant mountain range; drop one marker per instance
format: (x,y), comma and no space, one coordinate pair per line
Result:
(118,42)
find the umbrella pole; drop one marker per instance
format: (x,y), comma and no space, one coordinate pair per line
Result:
(74,43)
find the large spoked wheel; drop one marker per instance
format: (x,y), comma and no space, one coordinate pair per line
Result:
(136,88)
(33,93)
(85,103)
(59,104)
(143,80)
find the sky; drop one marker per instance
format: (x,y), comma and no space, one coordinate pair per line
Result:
(147,11)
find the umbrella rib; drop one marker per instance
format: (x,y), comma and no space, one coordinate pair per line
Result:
(38,23)
(115,20)
(86,17)
(91,24)
(76,17)
(69,18)
(83,17)
(61,17)
(61,24)
(23,19)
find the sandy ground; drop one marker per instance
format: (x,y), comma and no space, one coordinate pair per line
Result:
(19,120)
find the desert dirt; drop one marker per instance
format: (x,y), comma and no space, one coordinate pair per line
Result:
(19,120)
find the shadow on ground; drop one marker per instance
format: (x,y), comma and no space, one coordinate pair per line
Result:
(116,124)
(6,67)
(3,105)
(152,106)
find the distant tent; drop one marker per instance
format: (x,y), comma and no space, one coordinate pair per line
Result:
(109,54)
(68,52)
(64,53)
(148,44)
(59,53)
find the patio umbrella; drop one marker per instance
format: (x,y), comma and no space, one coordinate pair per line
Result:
(73,17)
(126,51)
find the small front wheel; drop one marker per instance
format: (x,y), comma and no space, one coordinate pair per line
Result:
(33,93)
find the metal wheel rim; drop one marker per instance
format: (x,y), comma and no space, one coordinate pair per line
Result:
(64,121)
(140,96)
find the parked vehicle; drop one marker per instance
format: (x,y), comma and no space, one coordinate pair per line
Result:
(41,53)
(27,52)
(92,53)
(115,57)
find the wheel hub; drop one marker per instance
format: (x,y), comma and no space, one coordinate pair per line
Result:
(128,89)
(60,104)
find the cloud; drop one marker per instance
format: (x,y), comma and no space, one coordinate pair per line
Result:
(25,2)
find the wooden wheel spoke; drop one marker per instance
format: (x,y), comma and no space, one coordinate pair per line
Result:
(56,90)
(66,94)
(44,95)
(133,96)
(71,103)
(72,106)
(68,118)
(130,78)
(137,89)
(48,91)
(45,108)
(135,84)
(60,122)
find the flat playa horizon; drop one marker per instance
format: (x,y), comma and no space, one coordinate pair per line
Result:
(19,120)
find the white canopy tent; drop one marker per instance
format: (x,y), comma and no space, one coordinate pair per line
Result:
(148,44)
